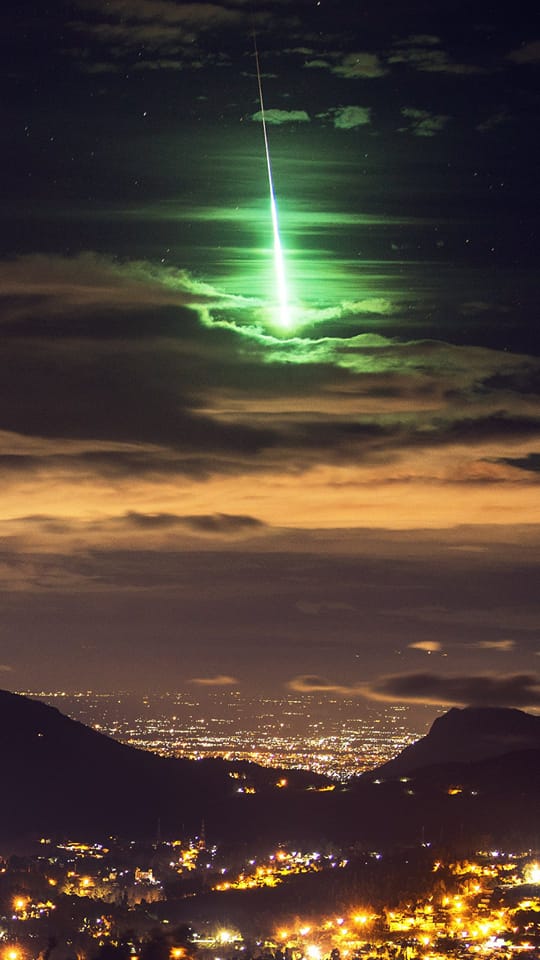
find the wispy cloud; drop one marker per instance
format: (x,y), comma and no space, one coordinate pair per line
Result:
(503,646)
(310,683)
(424,53)
(278,117)
(352,66)
(348,118)
(220,680)
(528,52)
(422,123)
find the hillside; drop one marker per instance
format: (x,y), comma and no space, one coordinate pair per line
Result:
(467,735)
(62,777)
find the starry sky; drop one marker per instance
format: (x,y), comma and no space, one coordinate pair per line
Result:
(197,494)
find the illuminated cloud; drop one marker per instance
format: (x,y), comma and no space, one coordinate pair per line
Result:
(422,123)
(277,117)
(307,683)
(318,63)
(221,680)
(514,690)
(5,668)
(526,53)
(40,284)
(359,65)
(185,397)
(503,646)
(429,646)
(348,118)
(352,66)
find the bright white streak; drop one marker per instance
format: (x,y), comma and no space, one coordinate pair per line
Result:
(279,262)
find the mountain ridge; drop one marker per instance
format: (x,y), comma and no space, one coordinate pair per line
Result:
(467,734)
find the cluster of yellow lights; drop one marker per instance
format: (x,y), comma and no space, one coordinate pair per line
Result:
(463,916)
(532,873)
(280,866)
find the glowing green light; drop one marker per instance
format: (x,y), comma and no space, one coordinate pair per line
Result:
(279,261)
(279,266)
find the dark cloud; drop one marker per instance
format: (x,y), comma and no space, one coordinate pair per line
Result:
(523,377)
(493,121)
(352,66)
(424,53)
(514,690)
(222,524)
(421,123)
(152,521)
(159,24)
(307,683)
(113,393)
(119,465)
(499,425)
(188,444)
(526,53)
(530,463)
(173,36)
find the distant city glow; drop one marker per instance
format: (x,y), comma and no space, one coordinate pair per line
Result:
(309,732)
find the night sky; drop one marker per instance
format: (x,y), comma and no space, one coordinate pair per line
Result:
(194,493)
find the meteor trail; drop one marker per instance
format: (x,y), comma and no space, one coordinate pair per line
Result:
(279,263)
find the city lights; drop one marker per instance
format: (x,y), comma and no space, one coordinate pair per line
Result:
(485,906)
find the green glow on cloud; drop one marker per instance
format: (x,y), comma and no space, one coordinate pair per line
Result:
(302,273)
(279,263)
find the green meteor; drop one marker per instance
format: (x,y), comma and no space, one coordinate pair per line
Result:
(279,260)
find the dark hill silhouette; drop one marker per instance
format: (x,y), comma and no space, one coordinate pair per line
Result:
(61,776)
(63,779)
(469,734)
